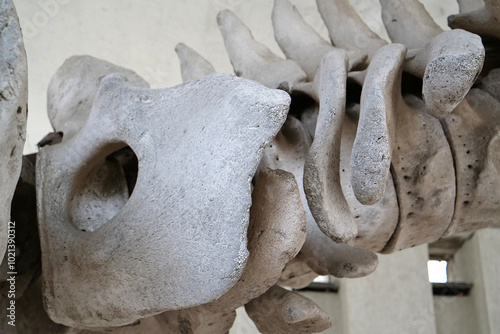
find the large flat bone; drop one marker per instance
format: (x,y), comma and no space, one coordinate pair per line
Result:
(288,151)
(198,204)
(347,29)
(408,22)
(448,66)
(480,21)
(253,60)
(276,233)
(73,88)
(280,311)
(422,168)
(193,65)
(371,153)
(473,131)
(300,42)
(321,172)
(13,111)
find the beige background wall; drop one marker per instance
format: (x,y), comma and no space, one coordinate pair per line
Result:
(141,35)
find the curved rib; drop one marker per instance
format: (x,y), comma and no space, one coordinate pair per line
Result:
(321,172)
(253,60)
(479,21)
(288,151)
(300,42)
(371,153)
(346,28)
(407,22)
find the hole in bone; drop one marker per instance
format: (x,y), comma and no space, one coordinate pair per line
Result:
(492,56)
(301,103)
(412,85)
(353,92)
(103,189)
(130,165)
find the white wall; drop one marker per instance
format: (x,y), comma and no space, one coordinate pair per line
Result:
(476,262)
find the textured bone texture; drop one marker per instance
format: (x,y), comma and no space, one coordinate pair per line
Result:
(280,311)
(13,111)
(252,59)
(473,131)
(449,65)
(276,232)
(23,213)
(376,223)
(479,21)
(196,320)
(408,22)
(297,275)
(189,205)
(300,42)
(288,151)
(73,88)
(371,153)
(422,167)
(346,28)
(321,172)
(162,211)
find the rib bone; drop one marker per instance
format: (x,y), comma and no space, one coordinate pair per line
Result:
(280,311)
(300,42)
(193,66)
(449,66)
(346,28)
(407,22)
(321,172)
(252,59)
(371,153)
(479,21)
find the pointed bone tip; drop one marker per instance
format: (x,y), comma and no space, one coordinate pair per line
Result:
(300,310)
(363,270)
(113,79)
(369,189)
(358,263)
(368,198)
(226,15)
(438,110)
(334,58)
(181,47)
(440,97)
